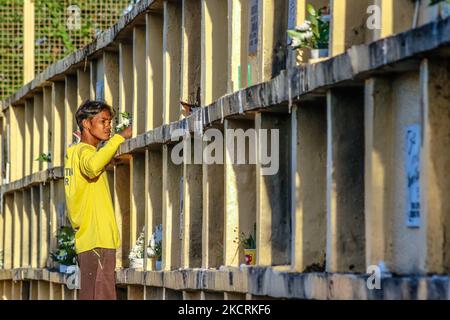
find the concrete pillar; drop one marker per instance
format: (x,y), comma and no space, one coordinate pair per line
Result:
(126,82)
(309,222)
(273,16)
(17,125)
(154,71)
(273,194)
(83,85)
(111,78)
(46,125)
(392,107)
(435,161)
(28,41)
(70,107)
(171,61)
(57,122)
(345,181)
(37,131)
(396,16)
(236,26)
(139,81)
(348,24)
(214,50)
(28,138)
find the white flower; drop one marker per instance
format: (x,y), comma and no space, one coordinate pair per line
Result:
(295,42)
(304,27)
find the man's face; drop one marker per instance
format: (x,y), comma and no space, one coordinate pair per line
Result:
(100,125)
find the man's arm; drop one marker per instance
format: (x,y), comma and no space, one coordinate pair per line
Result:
(92,162)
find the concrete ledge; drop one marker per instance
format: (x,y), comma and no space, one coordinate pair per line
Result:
(34,179)
(266,281)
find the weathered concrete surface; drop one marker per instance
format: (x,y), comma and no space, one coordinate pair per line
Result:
(259,282)
(345,181)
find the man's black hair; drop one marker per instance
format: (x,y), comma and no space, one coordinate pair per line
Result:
(89,109)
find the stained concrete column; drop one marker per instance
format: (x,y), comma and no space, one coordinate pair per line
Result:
(435,162)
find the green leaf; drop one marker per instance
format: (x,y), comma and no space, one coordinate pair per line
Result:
(310,9)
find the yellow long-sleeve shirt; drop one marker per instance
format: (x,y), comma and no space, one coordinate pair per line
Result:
(88,197)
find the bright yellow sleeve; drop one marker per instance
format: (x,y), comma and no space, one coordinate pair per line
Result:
(93,162)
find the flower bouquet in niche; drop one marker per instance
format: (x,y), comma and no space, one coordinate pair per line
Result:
(314,33)
(154,250)
(65,255)
(136,255)
(247,242)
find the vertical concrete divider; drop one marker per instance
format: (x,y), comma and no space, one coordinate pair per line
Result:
(70,108)
(435,161)
(348,24)
(139,81)
(37,131)
(154,70)
(171,61)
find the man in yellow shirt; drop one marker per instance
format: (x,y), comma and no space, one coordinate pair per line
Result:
(88,199)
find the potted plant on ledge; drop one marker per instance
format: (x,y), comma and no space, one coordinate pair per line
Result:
(248,243)
(313,34)
(153,254)
(65,255)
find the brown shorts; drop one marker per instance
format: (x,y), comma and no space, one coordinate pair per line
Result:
(97,273)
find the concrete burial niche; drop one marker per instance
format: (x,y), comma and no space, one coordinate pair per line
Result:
(240,182)
(310,210)
(213,186)
(122,207)
(345,180)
